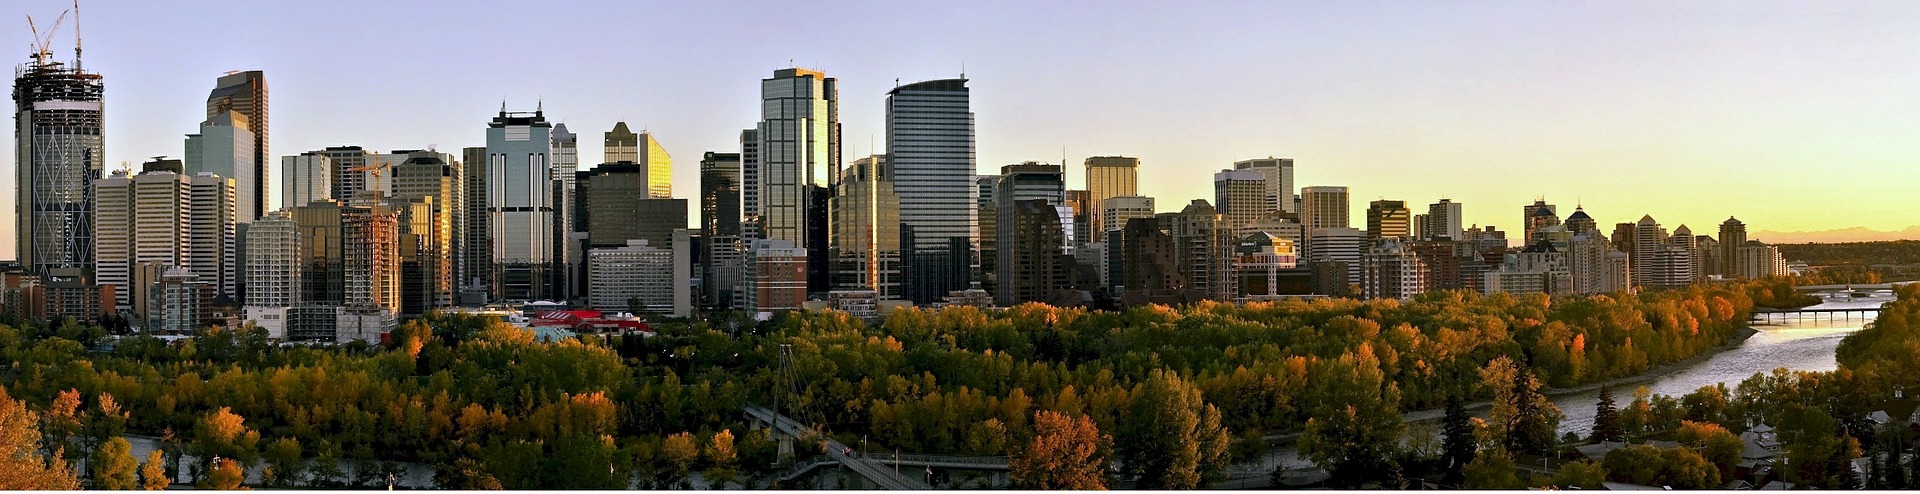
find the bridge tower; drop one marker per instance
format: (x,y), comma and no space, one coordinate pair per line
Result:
(786,385)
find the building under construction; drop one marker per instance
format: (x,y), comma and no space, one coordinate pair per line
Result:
(58,126)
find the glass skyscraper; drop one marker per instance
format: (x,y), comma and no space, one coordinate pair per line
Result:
(930,147)
(798,144)
(61,148)
(520,204)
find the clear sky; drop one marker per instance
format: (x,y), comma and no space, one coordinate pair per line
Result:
(1794,116)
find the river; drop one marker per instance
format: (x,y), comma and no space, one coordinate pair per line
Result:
(1805,344)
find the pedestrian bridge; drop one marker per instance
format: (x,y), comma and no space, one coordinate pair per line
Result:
(1765,315)
(882,469)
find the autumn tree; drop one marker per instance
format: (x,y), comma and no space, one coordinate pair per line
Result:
(22,467)
(1492,469)
(114,465)
(222,433)
(1583,474)
(679,451)
(1065,453)
(1172,438)
(1714,443)
(224,474)
(722,458)
(153,472)
(1523,417)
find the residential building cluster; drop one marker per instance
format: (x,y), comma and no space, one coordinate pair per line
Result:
(355,241)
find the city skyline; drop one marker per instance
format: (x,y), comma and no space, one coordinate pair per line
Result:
(1752,113)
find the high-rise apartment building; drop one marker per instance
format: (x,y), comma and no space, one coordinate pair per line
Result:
(305,178)
(930,145)
(1759,260)
(1389,219)
(1536,216)
(1203,248)
(520,205)
(245,93)
(224,147)
(273,272)
(798,160)
(1240,196)
(1338,245)
(1647,240)
(1444,221)
(1596,267)
(1279,179)
(1579,222)
(211,234)
(1117,210)
(1733,237)
(60,149)
(867,229)
(1393,270)
(656,277)
(1324,207)
(1109,177)
(164,219)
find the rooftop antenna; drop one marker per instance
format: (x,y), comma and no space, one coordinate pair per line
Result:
(963,64)
(503,105)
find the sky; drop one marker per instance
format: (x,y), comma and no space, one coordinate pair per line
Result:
(1792,116)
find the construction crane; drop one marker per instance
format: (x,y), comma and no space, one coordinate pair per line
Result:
(41,43)
(374,166)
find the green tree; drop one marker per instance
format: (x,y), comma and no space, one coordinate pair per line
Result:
(1634,464)
(1457,431)
(1064,453)
(1606,418)
(284,466)
(1172,438)
(1492,469)
(114,465)
(1583,474)
(1354,447)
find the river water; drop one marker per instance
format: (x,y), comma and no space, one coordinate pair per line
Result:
(1804,344)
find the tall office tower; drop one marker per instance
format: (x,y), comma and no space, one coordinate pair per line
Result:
(435,180)
(617,208)
(60,149)
(1733,237)
(353,169)
(867,229)
(1240,195)
(750,184)
(1418,227)
(139,219)
(1324,207)
(620,144)
(211,234)
(1117,210)
(1109,177)
(425,271)
(322,273)
(1077,208)
(1536,216)
(1596,267)
(930,146)
(245,93)
(305,178)
(799,151)
(1392,270)
(1029,181)
(520,205)
(224,147)
(1342,245)
(987,265)
(720,227)
(1389,219)
(1203,247)
(1647,239)
(474,270)
(1279,175)
(1444,221)
(273,272)
(1579,222)
(567,263)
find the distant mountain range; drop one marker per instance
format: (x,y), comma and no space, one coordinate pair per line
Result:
(1855,234)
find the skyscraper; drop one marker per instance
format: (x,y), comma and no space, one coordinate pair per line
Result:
(799,151)
(473,273)
(720,227)
(620,144)
(1108,177)
(1240,195)
(1536,216)
(273,272)
(1324,207)
(305,178)
(245,93)
(1648,240)
(930,141)
(642,149)
(1444,221)
(1044,185)
(60,150)
(520,205)
(224,147)
(1388,219)
(1279,180)
(867,229)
